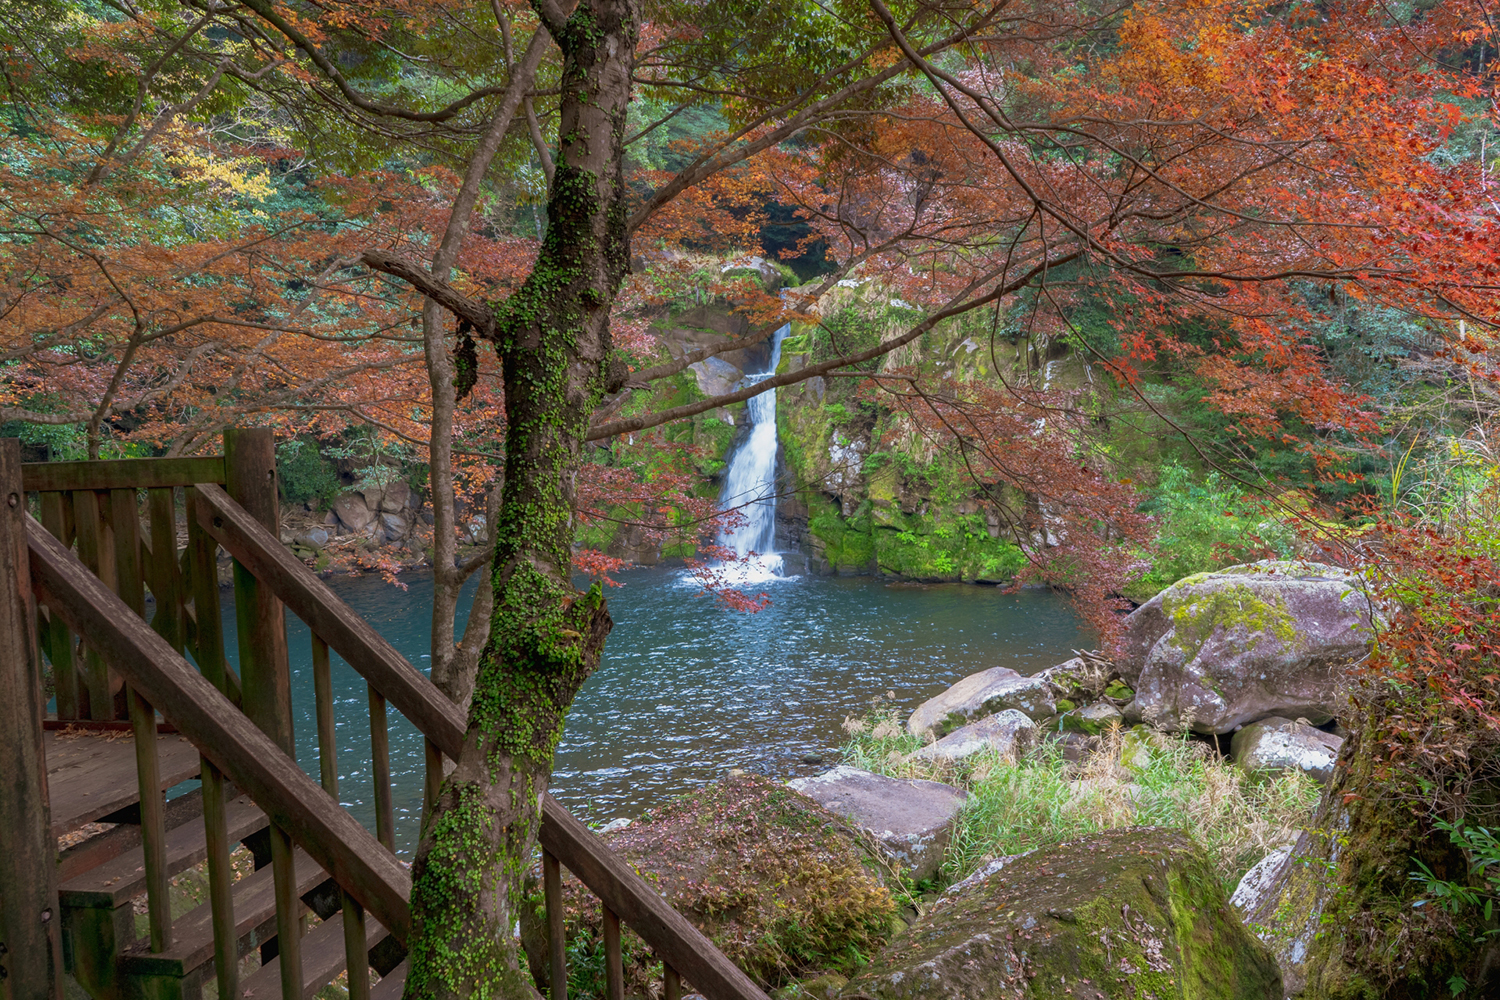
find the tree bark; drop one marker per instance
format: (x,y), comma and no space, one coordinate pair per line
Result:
(545,636)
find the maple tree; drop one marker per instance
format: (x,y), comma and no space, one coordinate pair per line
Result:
(1194,167)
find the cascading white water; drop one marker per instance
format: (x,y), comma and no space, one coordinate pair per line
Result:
(750,480)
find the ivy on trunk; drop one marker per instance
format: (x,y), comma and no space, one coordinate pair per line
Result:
(554,344)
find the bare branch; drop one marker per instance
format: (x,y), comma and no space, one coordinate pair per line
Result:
(479,315)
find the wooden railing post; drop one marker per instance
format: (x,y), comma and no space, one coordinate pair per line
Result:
(265,669)
(30,944)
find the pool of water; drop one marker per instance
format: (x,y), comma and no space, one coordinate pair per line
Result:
(688,690)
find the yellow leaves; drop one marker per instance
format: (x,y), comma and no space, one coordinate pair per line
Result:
(240,176)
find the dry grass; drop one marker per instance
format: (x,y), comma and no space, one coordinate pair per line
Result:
(1134,778)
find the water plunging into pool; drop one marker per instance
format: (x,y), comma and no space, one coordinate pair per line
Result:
(750,483)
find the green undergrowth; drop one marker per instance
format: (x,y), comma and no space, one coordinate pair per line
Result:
(1133,777)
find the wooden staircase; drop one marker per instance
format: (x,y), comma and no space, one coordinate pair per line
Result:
(316,894)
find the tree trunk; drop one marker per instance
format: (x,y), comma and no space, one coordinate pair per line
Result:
(545,636)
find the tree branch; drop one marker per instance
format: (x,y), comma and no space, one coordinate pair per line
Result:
(479,315)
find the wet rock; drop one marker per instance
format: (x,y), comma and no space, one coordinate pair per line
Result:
(1010,733)
(352,512)
(911,819)
(1128,913)
(1278,744)
(979,695)
(1217,650)
(715,376)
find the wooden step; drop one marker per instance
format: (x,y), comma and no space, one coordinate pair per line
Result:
(390,987)
(124,877)
(323,956)
(193,935)
(110,844)
(91,775)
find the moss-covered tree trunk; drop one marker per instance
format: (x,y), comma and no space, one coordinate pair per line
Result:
(545,636)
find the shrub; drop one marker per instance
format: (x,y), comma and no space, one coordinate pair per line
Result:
(1205,526)
(305,475)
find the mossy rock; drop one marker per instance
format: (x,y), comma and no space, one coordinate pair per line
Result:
(1130,913)
(772,878)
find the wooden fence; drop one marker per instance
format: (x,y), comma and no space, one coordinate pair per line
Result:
(109,665)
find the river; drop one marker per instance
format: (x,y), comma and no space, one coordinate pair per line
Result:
(688,690)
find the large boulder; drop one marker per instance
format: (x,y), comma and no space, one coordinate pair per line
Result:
(352,512)
(1010,733)
(978,695)
(773,879)
(912,820)
(1278,744)
(395,498)
(1217,650)
(1127,913)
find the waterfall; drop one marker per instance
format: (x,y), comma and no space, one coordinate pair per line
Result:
(750,480)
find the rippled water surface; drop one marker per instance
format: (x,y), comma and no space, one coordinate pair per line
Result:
(688,690)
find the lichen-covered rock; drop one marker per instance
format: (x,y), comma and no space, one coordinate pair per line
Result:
(772,878)
(978,695)
(1278,744)
(911,819)
(1218,650)
(1092,719)
(1130,913)
(1009,733)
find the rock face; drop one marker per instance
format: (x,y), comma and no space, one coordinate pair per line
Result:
(1282,900)
(978,695)
(1129,913)
(1218,650)
(775,880)
(1278,744)
(351,510)
(912,820)
(1011,733)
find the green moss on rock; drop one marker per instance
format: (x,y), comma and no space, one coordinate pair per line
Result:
(772,878)
(1130,913)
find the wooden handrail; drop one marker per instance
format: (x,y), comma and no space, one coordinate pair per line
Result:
(330,618)
(122,474)
(221,733)
(681,945)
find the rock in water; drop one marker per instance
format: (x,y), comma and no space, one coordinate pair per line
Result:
(1278,744)
(1129,913)
(1010,733)
(1218,650)
(911,819)
(978,695)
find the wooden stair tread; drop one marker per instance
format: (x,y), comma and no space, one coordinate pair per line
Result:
(193,933)
(390,987)
(89,776)
(322,960)
(103,847)
(123,878)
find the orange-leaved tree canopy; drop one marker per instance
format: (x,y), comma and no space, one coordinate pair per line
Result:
(1178,160)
